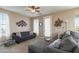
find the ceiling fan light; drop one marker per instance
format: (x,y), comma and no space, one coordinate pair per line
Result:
(33,10)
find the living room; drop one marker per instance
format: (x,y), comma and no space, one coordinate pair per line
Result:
(43,24)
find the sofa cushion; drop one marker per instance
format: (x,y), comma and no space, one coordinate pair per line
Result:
(38,46)
(17,39)
(55,44)
(67,44)
(76,50)
(24,34)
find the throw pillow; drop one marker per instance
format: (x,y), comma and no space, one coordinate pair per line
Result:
(55,44)
(68,32)
(18,33)
(31,33)
(69,38)
(76,34)
(67,44)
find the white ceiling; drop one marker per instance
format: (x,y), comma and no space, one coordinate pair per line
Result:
(43,10)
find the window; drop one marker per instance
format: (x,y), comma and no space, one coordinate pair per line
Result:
(4,25)
(36,26)
(47,26)
(77,23)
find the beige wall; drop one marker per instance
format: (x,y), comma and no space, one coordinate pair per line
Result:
(63,15)
(14,17)
(41,28)
(68,15)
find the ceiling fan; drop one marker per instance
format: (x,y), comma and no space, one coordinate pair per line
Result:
(33,8)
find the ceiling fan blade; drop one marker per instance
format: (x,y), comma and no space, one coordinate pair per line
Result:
(29,6)
(27,10)
(37,10)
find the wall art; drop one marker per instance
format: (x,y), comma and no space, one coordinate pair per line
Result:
(21,23)
(58,22)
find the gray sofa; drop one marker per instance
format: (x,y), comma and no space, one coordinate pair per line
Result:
(41,46)
(26,35)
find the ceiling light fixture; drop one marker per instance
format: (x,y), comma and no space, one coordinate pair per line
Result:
(33,8)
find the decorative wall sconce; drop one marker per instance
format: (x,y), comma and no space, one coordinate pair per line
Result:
(40,24)
(21,23)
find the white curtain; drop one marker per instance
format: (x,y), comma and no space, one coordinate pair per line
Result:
(4,26)
(36,26)
(47,26)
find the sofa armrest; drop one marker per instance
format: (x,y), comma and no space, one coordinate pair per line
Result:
(55,50)
(34,35)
